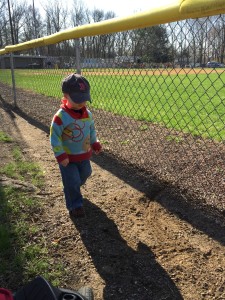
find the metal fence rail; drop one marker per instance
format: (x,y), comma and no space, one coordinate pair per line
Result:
(164,117)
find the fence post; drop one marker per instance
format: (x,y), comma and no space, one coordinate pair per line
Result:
(77,46)
(13,78)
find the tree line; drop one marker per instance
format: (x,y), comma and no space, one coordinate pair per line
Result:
(193,41)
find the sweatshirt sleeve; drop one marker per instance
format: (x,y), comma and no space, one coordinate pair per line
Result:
(56,130)
(93,137)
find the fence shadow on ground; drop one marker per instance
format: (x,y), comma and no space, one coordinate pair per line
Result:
(127,273)
(207,219)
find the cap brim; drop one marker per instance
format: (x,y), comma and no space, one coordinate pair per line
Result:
(80,97)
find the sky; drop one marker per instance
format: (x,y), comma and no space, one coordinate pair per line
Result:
(120,7)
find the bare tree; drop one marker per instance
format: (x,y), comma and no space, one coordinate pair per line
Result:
(56,15)
(17,13)
(78,13)
(123,43)
(97,16)
(108,40)
(56,20)
(4,24)
(218,35)
(2,4)
(33,28)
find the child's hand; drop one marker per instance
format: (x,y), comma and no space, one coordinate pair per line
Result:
(97,147)
(65,162)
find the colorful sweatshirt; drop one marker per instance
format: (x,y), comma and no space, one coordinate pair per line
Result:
(72,134)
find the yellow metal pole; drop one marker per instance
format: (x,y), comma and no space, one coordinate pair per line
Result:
(175,10)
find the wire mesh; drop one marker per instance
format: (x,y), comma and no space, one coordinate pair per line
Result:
(158,98)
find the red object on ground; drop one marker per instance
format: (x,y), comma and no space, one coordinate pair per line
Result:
(5,294)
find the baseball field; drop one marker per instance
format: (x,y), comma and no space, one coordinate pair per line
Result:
(189,100)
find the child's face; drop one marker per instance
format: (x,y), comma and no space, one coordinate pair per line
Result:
(72,104)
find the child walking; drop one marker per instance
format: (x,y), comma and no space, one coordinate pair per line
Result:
(73,138)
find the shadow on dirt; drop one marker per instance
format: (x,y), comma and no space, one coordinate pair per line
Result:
(121,267)
(207,219)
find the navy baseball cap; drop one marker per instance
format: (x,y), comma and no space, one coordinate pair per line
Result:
(77,87)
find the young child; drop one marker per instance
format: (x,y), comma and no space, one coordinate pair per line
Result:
(73,138)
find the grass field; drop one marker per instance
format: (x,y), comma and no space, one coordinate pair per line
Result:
(189,101)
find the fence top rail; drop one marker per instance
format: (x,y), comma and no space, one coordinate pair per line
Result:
(175,10)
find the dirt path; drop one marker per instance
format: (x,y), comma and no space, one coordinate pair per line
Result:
(128,247)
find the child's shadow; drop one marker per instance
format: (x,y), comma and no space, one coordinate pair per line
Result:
(128,273)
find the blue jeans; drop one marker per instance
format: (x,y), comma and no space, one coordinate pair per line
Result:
(74,175)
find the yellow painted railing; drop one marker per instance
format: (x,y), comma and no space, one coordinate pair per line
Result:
(175,10)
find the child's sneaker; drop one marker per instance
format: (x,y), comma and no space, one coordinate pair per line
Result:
(77,212)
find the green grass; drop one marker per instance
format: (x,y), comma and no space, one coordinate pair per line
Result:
(22,170)
(23,251)
(20,253)
(5,138)
(191,103)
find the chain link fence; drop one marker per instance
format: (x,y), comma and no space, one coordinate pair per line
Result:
(158,99)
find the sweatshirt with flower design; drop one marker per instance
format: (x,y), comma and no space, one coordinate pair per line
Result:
(72,134)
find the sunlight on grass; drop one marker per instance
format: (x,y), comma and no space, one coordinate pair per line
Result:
(21,169)
(22,250)
(5,138)
(185,106)
(190,103)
